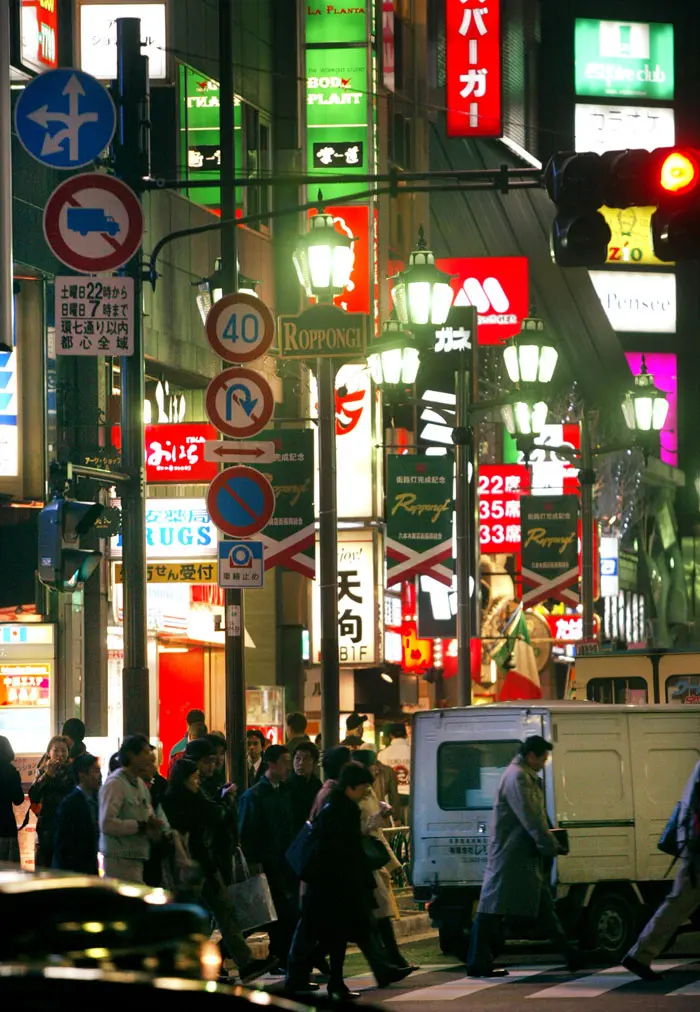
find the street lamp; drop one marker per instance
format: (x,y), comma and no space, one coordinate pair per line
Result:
(211,289)
(524,419)
(422,293)
(394,358)
(323,259)
(645,406)
(530,359)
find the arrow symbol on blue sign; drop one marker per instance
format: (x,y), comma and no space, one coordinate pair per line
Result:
(244,399)
(73,119)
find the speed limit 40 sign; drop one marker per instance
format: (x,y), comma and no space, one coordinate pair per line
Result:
(240,328)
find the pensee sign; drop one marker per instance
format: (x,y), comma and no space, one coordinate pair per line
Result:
(623,58)
(637,301)
(323,332)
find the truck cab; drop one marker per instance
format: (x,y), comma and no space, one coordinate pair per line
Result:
(639,676)
(614,778)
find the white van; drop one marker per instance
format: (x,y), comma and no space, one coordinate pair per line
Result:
(615,776)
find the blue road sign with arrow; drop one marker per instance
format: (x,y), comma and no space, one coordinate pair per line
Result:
(65,118)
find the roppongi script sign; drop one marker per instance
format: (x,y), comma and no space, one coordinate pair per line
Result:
(497,287)
(473,68)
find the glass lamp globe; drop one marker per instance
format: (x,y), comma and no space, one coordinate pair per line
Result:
(645,407)
(531,356)
(393,358)
(323,258)
(422,293)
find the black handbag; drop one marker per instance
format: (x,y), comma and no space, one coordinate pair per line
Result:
(668,841)
(303,850)
(376,852)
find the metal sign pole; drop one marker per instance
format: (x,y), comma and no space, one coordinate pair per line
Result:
(328,553)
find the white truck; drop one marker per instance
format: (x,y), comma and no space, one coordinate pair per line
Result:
(615,776)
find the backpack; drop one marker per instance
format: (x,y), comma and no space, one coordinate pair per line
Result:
(690,824)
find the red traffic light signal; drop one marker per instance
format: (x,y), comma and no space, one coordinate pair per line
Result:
(580,183)
(679,172)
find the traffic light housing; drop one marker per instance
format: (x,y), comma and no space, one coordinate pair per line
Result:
(62,563)
(581,183)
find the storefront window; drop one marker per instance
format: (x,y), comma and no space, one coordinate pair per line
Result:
(469,773)
(617,690)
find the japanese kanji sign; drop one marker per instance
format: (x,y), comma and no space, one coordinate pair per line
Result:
(94,316)
(500,488)
(473,67)
(289,535)
(419,508)
(175,452)
(175,572)
(360,600)
(175,529)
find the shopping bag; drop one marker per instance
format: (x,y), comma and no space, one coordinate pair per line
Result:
(251,898)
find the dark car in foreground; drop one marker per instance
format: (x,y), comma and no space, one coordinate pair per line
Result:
(59,919)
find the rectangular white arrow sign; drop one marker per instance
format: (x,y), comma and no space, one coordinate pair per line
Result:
(239,451)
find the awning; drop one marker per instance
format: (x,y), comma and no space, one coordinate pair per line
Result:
(482,224)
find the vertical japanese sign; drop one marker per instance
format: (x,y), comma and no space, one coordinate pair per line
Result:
(360,600)
(419,508)
(39,34)
(500,488)
(200,155)
(473,67)
(94,316)
(289,536)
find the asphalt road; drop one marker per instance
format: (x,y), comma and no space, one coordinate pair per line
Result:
(535,979)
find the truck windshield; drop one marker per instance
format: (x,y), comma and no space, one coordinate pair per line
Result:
(617,690)
(469,773)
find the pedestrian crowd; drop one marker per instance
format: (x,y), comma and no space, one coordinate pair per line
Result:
(224,845)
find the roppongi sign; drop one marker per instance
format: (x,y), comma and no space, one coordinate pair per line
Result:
(498,287)
(473,68)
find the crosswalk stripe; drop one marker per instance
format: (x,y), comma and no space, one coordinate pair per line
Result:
(464,986)
(595,984)
(689,989)
(365,981)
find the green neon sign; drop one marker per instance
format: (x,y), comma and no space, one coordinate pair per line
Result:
(337,134)
(200,157)
(335,22)
(624,58)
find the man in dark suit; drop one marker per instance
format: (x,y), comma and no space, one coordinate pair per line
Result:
(256,743)
(266,831)
(77,820)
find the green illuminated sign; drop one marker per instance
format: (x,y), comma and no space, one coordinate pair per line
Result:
(625,58)
(336,22)
(200,156)
(337,135)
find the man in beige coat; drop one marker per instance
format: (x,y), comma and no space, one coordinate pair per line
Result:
(515,883)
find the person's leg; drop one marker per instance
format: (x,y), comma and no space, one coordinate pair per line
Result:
(480,958)
(385,930)
(683,899)
(299,959)
(215,901)
(367,941)
(337,945)
(548,920)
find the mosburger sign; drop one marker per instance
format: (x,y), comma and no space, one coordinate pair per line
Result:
(323,332)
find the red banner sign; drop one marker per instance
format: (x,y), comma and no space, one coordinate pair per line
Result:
(568,628)
(497,287)
(500,488)
(473,71)
(175,452)
(39,34)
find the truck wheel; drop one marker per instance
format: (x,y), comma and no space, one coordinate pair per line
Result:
(453,943)
(610,925)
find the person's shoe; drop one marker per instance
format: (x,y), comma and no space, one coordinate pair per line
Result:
(307,988)
(342,993)
(640,969)
(493,971)
(396,974)
(256,968)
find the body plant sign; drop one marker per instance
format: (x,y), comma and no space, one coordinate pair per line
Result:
(419,509)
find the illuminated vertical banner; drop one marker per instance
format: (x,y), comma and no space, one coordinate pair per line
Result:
(473,67)
(39,34)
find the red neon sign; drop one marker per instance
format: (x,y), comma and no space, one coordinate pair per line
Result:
(500,488)
(497,287)
(473,68)
(39,34)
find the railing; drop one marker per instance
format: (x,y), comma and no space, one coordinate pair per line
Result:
(399,839)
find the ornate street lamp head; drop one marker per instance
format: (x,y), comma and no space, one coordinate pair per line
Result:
(323,258)
(422,293)
(393,358)
(531,356)
(645,406)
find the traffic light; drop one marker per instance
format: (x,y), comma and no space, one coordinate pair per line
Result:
(581,183)
(62,563)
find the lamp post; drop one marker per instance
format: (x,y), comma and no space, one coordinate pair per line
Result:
(394,359)
(530,360)
(323,261)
